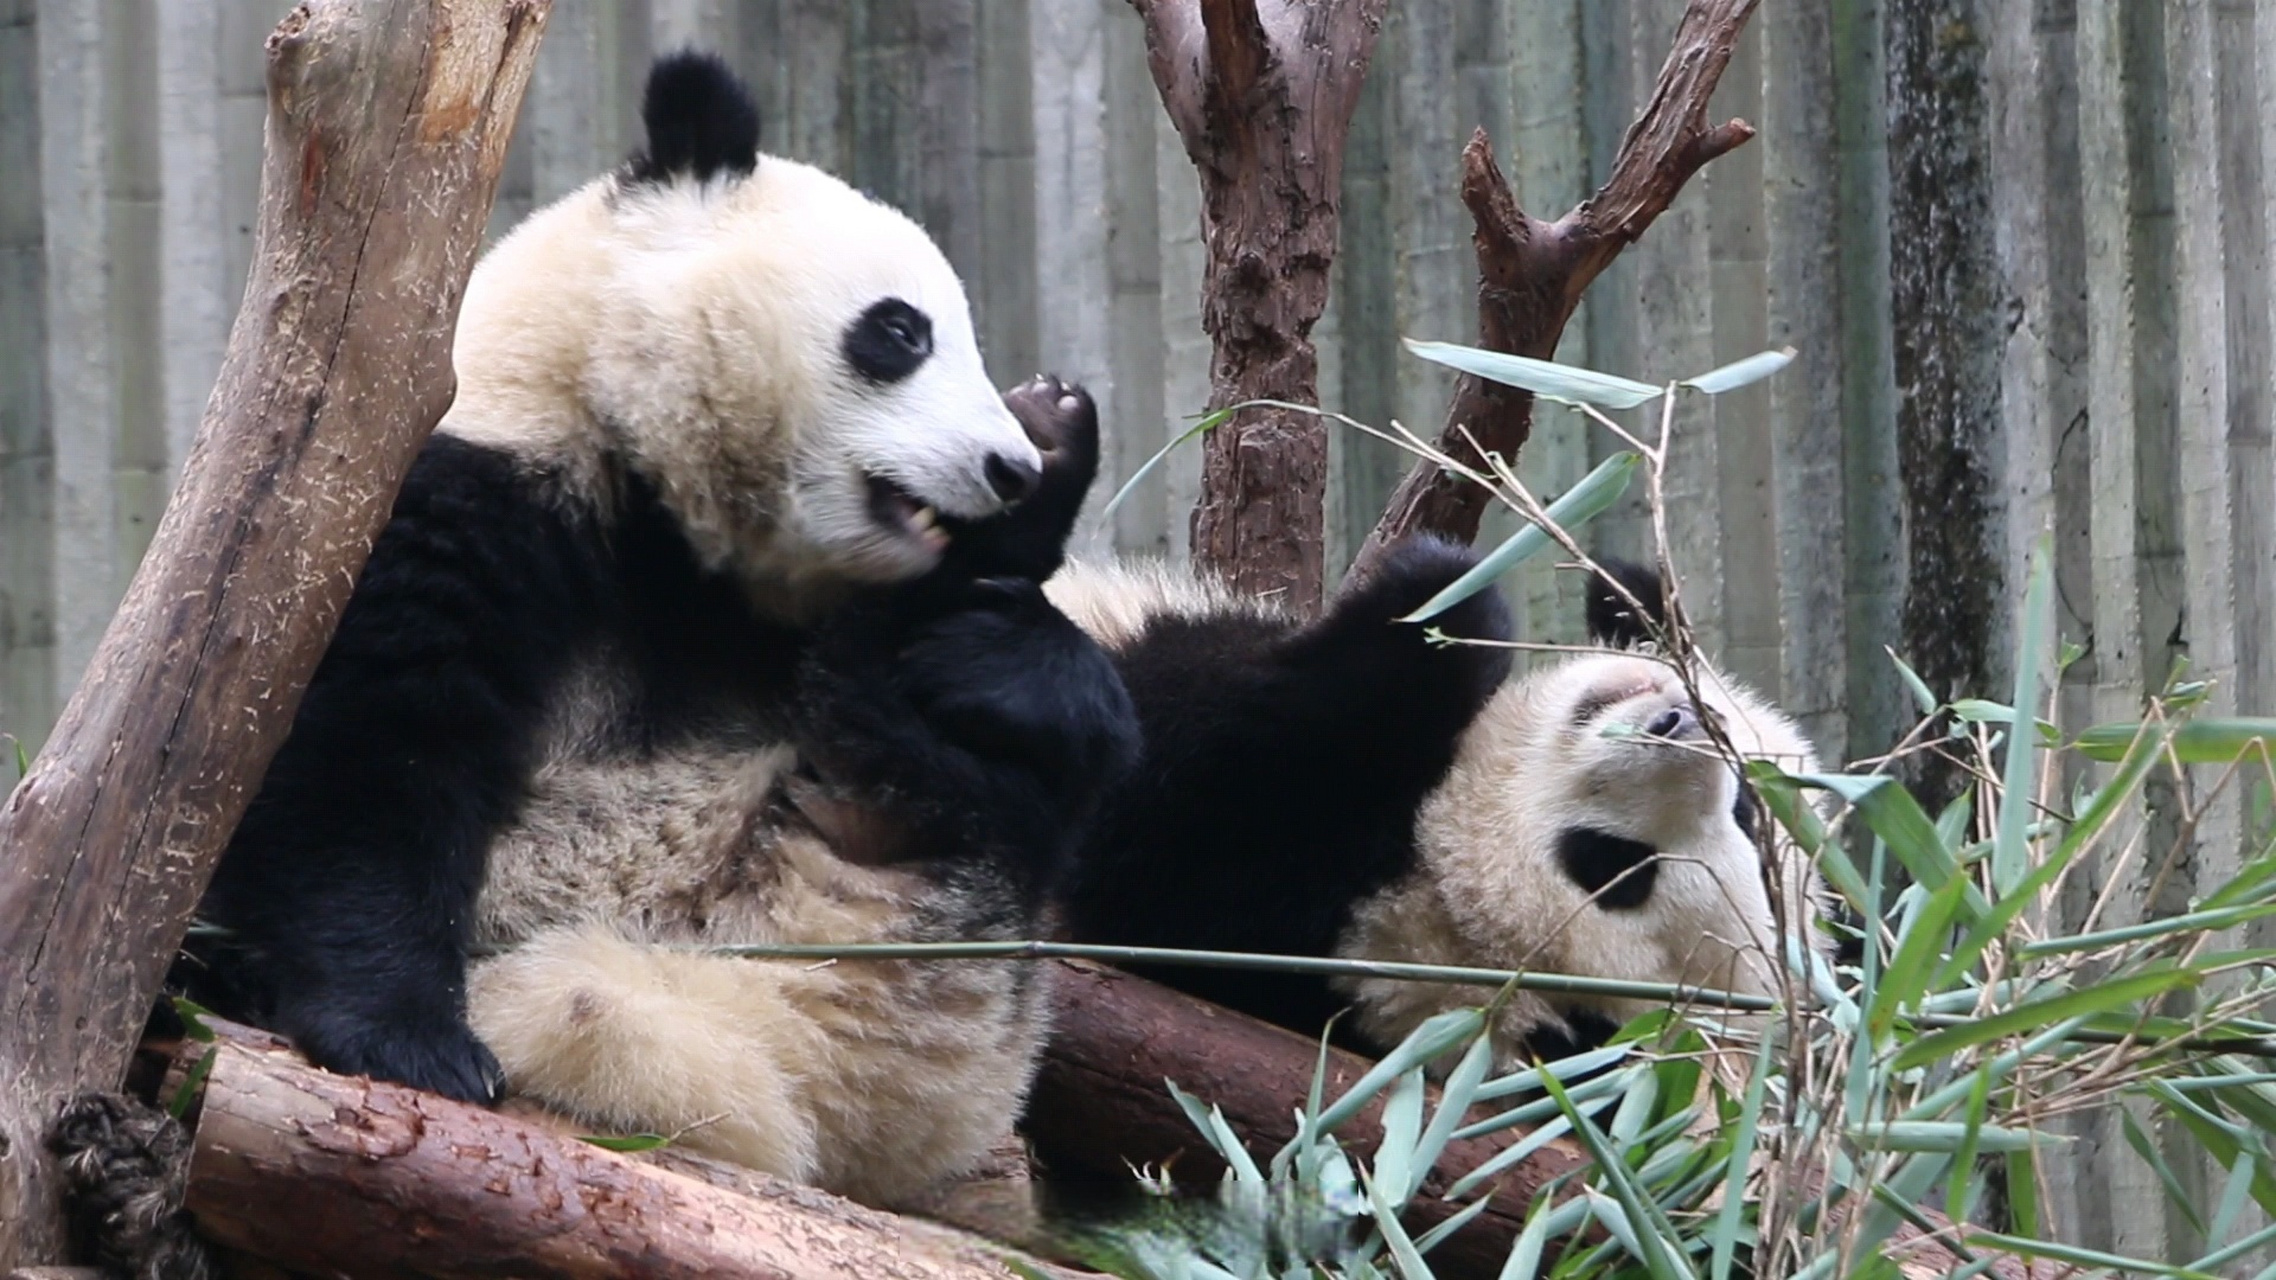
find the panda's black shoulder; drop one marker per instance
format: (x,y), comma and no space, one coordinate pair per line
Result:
(700,118)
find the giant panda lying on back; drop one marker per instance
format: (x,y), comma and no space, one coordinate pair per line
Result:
(671,573)
(1348,788)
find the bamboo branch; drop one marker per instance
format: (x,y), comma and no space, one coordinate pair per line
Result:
(387,128)
(1532,274)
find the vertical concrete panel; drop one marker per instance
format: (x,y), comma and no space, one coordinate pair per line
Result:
(1009,78)
(1872,536)
(1543,137)
(81,353)
(583,95)
(1074,219)
(1804,309)
(1674,338)
(914,96)
(197,297)
(1745,495)
(1135,415)
(27,454)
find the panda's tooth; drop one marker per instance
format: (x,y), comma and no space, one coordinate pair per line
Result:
(922,518)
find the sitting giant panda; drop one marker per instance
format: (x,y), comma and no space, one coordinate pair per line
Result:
(675,557)
(1348,788)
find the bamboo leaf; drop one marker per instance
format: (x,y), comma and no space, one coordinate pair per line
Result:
(1724,1242)
(193,1083)
(1453,1101)
(1949,1136)
(2115,994)
(1596,492)
(1208,423)
(1923,701)
(1435,1036)
(1404,1255)
(1525,1256)
(1898,819)
(1741,373)
(628,1143)
(2212,740)
(2083,1257)
(1395,1166)
(1564,383)
(2020,774)
(1922,941)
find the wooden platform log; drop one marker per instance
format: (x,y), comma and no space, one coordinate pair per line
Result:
(387,128)
(331,1175)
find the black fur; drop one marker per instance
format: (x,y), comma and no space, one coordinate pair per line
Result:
(701,121)
(964,706)
(351,882)
(1620,872)
(1280,776)
(1611,619)
(888,342)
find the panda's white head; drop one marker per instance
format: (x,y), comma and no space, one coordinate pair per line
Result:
(1590,826)
(791,364)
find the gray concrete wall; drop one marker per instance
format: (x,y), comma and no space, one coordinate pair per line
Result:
(2090,334)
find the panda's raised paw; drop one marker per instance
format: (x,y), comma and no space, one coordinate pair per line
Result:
(1054,414)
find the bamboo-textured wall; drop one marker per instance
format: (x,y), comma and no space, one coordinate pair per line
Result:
(2022,245)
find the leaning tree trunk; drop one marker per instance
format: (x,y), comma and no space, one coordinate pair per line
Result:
(387,127)
(1531,274)
(1262,92)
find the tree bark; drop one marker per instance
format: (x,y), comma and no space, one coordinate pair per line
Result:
(387,127)
(1262,93)
(330,1175)
(1099,1107)
(1531,274)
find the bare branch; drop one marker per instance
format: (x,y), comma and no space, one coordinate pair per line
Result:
(1531,275)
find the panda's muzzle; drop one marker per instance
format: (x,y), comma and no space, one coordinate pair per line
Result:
(898,510)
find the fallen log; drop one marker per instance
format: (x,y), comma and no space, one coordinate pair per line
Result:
(387,128)
(1100,1106)
(333,1175)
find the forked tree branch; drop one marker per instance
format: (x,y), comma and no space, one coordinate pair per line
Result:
(1531,274)
(387,128)
(1262,93)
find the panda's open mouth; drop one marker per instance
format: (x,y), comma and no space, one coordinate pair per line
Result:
(899,511)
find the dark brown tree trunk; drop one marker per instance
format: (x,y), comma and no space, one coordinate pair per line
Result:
(1262,92)
(387,127)
(1531,274)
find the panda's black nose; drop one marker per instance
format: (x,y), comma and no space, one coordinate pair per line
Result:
(1012,479)
(1678,723)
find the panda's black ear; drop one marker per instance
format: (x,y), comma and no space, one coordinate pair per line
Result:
(702,121)
(1611,619)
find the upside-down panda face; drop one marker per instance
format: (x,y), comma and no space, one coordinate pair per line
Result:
(1591,826)
(791,364)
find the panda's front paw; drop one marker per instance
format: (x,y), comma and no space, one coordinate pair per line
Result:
(437,1054)
(1058,416)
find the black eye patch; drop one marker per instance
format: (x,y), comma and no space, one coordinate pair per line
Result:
(1595,859)
(1747,812)
(889,341)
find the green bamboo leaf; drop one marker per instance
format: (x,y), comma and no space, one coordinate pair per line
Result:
(1425,1043)
(2115,994)
(628,1143)
(193,1084)
(2212,740)
(1783,797)
(1547,379)
(1923,701)
(1906,980)
(23,761)
(1958,1186)
(1596,492)
(1453,1101)
(193,1016)
(1208,423)
(1725,1239)
(1404,1255)
(1890,810)
(2023,1191)
(2234,1192)
(1395,1164)
(1950,1136)
(2020,772)
(1654,1235)
(1741,373)
(1525,1256)
(1548,1132)
(2083,1257)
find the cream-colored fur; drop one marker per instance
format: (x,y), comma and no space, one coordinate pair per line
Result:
(695,330)
(874,1079)
(1114,600)
(1489,891)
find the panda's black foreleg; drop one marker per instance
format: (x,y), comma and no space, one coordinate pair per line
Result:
(986,723)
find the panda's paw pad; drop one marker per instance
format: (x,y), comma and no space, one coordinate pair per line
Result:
(1051,411)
